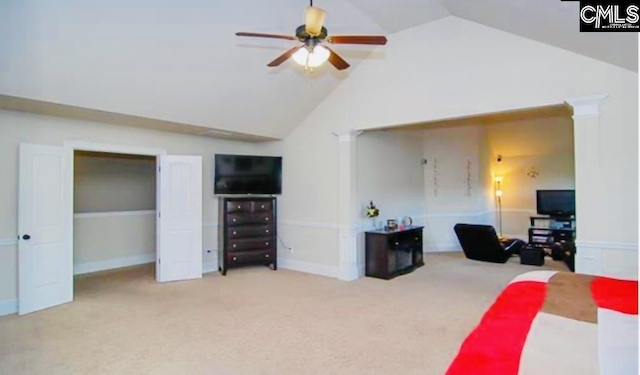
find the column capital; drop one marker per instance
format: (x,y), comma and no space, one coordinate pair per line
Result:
(347,135)
(586,106)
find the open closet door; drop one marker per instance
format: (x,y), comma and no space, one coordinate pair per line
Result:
(179,224)
(45,249)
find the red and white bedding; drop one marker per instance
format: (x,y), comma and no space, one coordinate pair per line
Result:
(548,322)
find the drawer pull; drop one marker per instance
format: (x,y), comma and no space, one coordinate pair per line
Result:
(397,243)
(234,232)
(262,207)
(238,207)
(417,238)
(234,245)
(266,243)
(266,231)
(267,255)
(266,218)
(234,220)
(234,258)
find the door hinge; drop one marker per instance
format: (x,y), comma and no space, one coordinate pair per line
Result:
(159,216)
(159,260)
(159,169)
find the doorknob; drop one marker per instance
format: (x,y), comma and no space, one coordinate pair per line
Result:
(26,237)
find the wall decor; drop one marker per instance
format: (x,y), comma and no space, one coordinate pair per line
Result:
(435,177)
(533,172)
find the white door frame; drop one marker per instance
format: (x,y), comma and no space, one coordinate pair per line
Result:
(71,146)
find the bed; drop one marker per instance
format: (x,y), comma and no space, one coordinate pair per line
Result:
(549,322)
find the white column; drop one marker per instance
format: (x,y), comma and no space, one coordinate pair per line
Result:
(347,205)
(589,184)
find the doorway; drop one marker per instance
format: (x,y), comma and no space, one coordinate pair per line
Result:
(114,220)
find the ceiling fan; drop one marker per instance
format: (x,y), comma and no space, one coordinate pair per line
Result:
(313,33)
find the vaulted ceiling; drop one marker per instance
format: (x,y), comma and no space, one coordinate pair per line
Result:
(179,61)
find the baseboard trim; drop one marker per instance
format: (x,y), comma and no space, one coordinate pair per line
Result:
(104,265)
(306,267)
(8,306)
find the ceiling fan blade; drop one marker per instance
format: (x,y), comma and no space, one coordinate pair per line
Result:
(336,60)
(282,58)
(358,39)
(260,35)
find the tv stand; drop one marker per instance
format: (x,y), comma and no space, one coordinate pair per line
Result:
(545,231)
(393,253)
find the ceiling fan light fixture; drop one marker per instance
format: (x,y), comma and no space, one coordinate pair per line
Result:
(314,20)
(312,59)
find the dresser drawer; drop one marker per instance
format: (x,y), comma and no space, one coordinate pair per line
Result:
(236,219)
(243,257)
(264,243)
(238,206)
(405,240)
(261,206)
(247,231)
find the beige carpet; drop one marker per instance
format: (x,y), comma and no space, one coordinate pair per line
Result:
(257,321)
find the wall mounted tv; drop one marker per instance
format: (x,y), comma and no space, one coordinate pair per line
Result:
(557,203)
(247,174)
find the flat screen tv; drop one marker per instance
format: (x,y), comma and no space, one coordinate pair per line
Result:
(556,202)
(247,174)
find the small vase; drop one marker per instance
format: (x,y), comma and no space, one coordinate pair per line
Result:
(374,224)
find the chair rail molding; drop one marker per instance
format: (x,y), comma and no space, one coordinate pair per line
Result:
(9,241)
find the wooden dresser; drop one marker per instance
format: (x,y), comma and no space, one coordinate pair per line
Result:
(247,232)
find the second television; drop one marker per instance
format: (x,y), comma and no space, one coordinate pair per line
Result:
(556,203)
(247,174)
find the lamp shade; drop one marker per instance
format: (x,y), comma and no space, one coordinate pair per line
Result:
(314,19)
(311,59)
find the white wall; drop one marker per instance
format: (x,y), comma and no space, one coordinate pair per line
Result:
(390,173)
(115,239)
(20,127)
(113,182)
(456,184)
(451,68)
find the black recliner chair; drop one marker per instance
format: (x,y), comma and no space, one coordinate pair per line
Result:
(480,242)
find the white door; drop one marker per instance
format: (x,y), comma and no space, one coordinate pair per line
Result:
(45,252)
(179,224)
